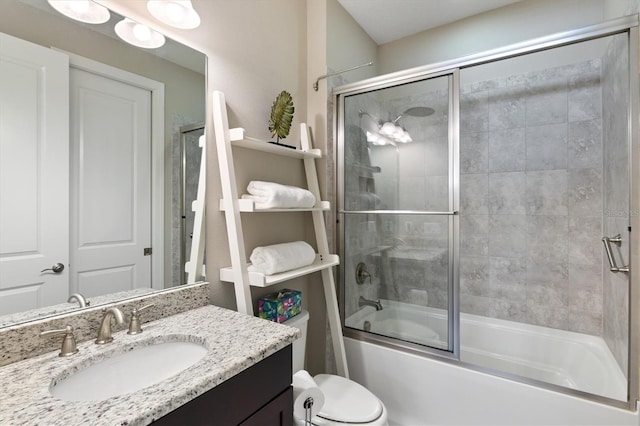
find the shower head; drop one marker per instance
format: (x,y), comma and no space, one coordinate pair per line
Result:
(419,111)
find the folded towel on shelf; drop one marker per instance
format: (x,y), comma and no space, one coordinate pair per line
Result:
(283,257)
(270,195)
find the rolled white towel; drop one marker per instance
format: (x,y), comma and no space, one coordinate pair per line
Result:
(283,257)
(270,195)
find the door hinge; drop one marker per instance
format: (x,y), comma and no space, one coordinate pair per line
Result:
(147,251)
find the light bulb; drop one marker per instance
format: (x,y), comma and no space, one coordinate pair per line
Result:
(141,32)
(175,11)
(138,34)
(405,138)
(82,10)
(79,6)
(388,128)
(397,132)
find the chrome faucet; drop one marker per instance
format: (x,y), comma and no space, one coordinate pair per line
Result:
(104,333)
(77,297)
(366,302)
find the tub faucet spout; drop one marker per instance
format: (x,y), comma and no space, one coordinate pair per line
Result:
(366,302)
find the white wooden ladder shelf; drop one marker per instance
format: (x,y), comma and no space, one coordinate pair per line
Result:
(232,205)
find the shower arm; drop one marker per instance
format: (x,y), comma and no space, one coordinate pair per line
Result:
(315,85)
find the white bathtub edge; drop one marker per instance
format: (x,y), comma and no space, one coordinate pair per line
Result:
(424,391)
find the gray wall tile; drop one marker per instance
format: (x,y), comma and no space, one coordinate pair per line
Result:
(507,107)
(584,144)
(585,241)
(474,153)
(508,235)
(507,150)
(474,112)
(547,238)
(585,192)
(584,97)
(474,193)
(506,195)
(546,102)
(547,192)
(474,235)
(547,147)
(474,275)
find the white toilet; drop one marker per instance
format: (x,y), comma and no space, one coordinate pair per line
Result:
(346,402)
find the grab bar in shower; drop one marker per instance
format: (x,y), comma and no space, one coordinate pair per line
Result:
(617,240)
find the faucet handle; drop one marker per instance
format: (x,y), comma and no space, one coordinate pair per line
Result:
(134,324)
(68,342)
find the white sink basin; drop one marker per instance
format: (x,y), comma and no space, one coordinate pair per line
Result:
(128,372)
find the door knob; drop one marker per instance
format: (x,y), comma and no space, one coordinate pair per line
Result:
(57,268)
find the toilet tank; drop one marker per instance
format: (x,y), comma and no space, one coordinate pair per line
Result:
(300,322)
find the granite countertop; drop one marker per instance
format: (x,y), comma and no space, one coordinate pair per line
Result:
(234,341)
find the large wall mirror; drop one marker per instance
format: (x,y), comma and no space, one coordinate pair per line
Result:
(99,162)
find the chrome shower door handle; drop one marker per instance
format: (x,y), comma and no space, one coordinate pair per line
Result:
(613,266)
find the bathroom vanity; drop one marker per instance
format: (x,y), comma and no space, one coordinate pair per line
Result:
(260,395)
(243,377)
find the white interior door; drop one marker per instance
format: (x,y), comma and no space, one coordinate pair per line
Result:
(34,175)
(111,184)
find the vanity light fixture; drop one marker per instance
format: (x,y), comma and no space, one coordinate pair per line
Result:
(177,13)
(138,34)
(82,10)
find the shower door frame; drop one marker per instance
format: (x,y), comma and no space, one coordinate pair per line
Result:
(453,341)
(628,25)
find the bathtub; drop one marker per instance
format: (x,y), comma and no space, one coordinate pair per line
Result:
(432,391)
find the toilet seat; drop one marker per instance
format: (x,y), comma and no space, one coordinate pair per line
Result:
(347,401)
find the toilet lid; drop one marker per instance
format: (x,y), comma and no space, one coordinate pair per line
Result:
(347,401)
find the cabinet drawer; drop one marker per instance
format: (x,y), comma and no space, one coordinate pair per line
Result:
(279,412)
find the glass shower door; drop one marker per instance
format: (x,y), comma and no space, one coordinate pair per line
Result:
(397,212)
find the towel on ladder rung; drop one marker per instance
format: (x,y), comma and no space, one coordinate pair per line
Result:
(270,195)
(283,257)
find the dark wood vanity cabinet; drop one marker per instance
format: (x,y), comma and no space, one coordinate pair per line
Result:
(259,396)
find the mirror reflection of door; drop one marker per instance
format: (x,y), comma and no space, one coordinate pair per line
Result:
(34,175)
(111,185)
(75,177)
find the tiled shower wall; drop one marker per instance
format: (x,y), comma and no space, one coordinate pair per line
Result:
(531,198)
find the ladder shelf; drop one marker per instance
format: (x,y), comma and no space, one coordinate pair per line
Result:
(248,206)
(239,139)
(232,206)
(256,279)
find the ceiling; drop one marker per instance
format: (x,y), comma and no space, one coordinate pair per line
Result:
(388,20)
